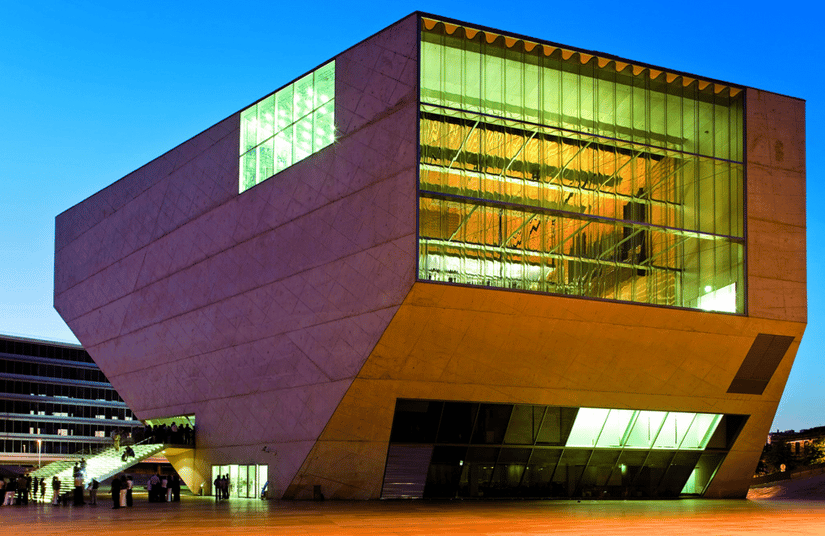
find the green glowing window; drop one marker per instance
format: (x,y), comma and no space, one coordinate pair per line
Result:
(288,126)
(620,428)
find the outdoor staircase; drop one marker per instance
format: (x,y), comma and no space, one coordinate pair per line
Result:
(99,466)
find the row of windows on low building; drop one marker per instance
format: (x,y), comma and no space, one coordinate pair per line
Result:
(60,427)
(46,409)
(68,371)
(51,389)
(23,347)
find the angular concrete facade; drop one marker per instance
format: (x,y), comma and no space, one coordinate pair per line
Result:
(288,319)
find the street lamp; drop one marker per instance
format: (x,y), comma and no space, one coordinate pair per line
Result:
(39,441)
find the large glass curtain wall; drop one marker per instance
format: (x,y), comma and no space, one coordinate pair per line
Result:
(520,450)
(553,171)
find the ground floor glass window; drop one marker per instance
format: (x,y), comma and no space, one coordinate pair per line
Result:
(464,449)
(245,481)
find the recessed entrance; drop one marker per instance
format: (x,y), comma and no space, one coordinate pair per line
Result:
(245,481)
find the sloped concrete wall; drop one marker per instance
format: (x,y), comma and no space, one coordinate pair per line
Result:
(255,311)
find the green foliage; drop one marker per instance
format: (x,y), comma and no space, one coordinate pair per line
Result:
(814,452)
(777,454)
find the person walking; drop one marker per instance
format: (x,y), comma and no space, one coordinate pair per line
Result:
(42,488)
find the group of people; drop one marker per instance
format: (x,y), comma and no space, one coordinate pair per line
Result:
(121,491)
(21,489)
(221,487)
(182,434)
(164,488)
(175,434)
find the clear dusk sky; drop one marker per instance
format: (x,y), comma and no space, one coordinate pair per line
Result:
(90,91)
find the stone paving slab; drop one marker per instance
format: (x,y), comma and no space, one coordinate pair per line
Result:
(201,516)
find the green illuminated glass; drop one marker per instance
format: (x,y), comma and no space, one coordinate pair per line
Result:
(640,429)
(553,171)
(587,427)
(288,126)
(523,450)
(646,427)
(615,430)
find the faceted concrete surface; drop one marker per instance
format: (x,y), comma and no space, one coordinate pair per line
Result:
(256,311)
(202,516)
(454,343)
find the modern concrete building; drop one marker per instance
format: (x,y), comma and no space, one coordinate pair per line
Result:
(453,261)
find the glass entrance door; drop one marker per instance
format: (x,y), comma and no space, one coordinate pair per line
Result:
(245,481)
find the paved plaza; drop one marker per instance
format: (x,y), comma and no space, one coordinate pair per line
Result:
(195,516)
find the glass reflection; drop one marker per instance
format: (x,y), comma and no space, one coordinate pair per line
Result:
(505,450)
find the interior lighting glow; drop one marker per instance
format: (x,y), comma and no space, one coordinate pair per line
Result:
(287,127)
(642,429)
(624,190)
(722,300)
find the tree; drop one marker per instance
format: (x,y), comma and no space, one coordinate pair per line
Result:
(777,454)
(814,452)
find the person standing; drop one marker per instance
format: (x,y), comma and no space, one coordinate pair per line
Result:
(78,485)
(22,490)
(43,488)
(11,488)
(176,487)
(123,489)
(93,486)
(129,485)
(153,487)
(116,493)
(55,489)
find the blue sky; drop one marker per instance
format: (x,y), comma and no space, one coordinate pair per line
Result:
(90,91)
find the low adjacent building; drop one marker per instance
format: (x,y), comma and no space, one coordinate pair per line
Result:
(55,403)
